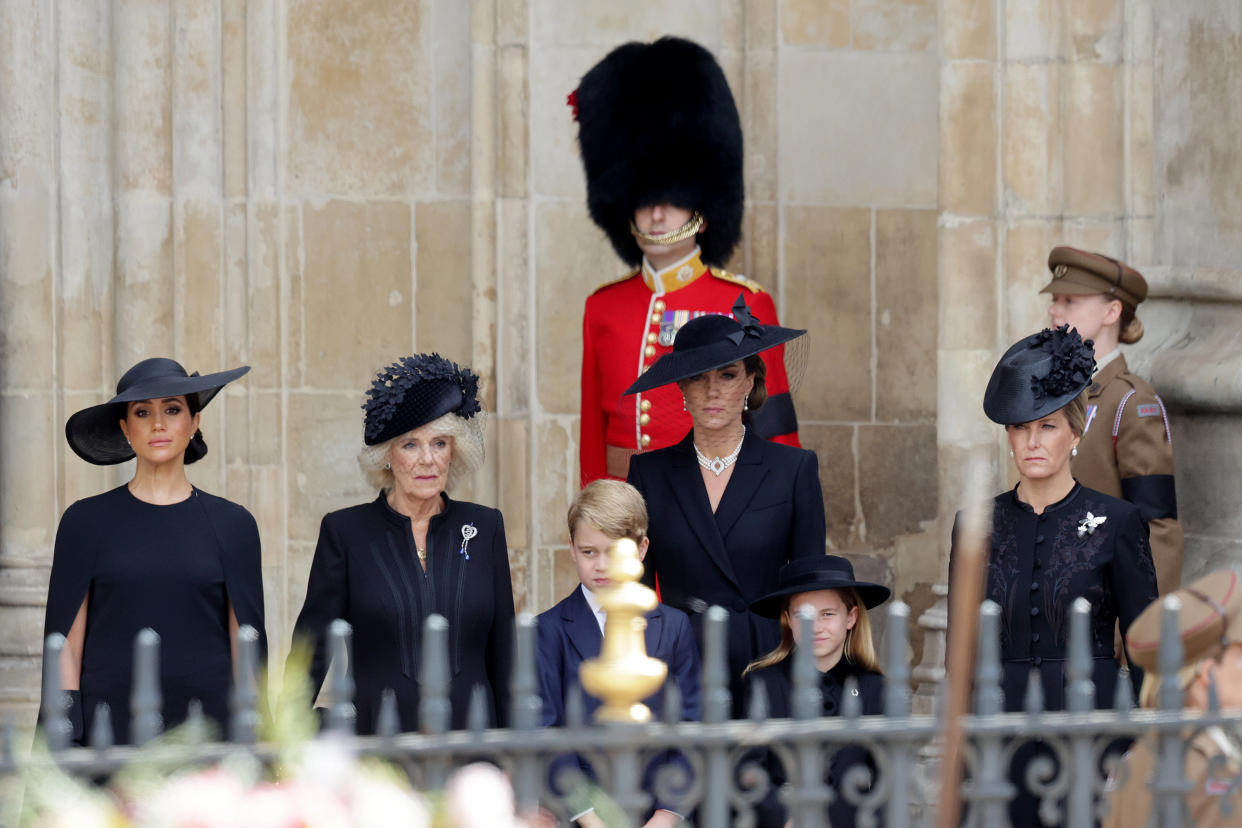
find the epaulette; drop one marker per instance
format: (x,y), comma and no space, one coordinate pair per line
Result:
(721,273)
(616,281)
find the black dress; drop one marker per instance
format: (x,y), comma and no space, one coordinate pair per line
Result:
(176,569)
(771,512)
(778,682)
(1037,566)
(366,571)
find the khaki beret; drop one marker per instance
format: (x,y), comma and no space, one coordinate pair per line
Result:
(1079,272)
(1210,619)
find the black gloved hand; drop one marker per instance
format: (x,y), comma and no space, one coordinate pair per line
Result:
(73,711)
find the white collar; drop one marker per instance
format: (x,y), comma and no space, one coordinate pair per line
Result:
(592,601)
(1102,362)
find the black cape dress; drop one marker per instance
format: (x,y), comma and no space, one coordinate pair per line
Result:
(176,569)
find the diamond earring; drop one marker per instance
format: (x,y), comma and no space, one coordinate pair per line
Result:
(746,404)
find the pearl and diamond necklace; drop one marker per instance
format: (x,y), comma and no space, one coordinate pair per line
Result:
(719,464)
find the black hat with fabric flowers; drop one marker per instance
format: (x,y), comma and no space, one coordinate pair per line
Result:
(713,341)
(1040,374)
(815,573)
(657,124)
(415,390)
(94,433)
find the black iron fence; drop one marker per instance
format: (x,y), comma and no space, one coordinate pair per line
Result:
(718,781)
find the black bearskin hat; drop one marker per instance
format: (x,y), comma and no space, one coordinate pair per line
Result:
(657,124)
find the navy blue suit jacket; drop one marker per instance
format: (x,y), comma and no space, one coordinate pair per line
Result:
(568,634)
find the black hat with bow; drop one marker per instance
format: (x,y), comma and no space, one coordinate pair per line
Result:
(1038,375)
(713,341)
(815,573)
(657,124)
(94,433)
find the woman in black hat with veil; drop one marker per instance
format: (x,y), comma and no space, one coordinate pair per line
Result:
(1053,540)
(726,508)
(386,565)
(156,552)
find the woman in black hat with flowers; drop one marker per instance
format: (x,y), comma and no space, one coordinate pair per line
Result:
(726,508)
(156,552)
(842,648)
(386,565)
(1054,540)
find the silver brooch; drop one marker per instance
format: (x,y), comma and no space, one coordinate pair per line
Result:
(467,532)
(1088,525)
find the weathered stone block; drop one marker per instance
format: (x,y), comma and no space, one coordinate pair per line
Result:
(520,577)
(761,26)
(554,73)
(560,22)
(324,436)
(142,91)
(759,125)
(512,22)
(443,309)
(513,360)
(1033,142)
(759,254)
(360,251)
(834,445)
(810,23)
(198,270)
(26,341)
(967,31)
(144,293)
(263,294)
(906,292)
(555,481)
(894,25)
(1027,245)
(513,102)
(882,145)
(963,377)
(1093,29)
(1207,450)
(828,292)
(1139,100)
(515,477)
(28,512)
(967,299)
(359,79)
(968,138)
(1033,29)
(21,634)
(1094,159)
(897,480)
(451,69)
(567,274)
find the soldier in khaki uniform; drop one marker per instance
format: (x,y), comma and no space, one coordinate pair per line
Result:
(1127,448)
(1211,633)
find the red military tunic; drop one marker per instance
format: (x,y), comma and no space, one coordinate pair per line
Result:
(627,326)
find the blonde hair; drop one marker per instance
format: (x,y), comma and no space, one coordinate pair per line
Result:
(859,648)
(468,453)
(613,507)
(1149,692)
(1131,327)
(1076,413)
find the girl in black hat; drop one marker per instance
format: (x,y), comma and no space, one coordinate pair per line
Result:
(157,552)
(726,508)
(386,565)
(842,646)
(1054,540)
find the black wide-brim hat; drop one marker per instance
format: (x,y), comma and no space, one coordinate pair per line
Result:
(657,124)
(1038,375)
(713,341)
(95,434)
(815,573)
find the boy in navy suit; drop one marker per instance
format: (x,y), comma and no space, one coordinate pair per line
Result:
(572,631)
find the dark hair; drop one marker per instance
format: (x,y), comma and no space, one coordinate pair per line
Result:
(757,368)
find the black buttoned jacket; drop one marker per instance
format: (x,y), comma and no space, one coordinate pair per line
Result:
(366,571)
(771,512)
(1039,564)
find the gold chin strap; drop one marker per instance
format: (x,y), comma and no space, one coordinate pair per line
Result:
(690,228)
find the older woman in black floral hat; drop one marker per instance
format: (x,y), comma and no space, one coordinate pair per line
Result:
(386,565)
(1054,540)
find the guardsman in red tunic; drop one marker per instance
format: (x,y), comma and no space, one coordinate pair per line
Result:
(661,145)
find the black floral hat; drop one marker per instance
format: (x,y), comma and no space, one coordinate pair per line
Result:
(94,433)
(415,390)
(708,342)
(1039,375)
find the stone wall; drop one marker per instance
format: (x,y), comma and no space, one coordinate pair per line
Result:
(315,187)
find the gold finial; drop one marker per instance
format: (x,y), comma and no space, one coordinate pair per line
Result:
(623,674)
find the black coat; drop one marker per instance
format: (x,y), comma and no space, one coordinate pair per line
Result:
(366,571)
(771,512)
(777,680)
(1039,564)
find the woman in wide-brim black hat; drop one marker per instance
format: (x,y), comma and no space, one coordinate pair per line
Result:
(1052,539)
(726,508)
(156,552)
(386,565)
(842,648)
